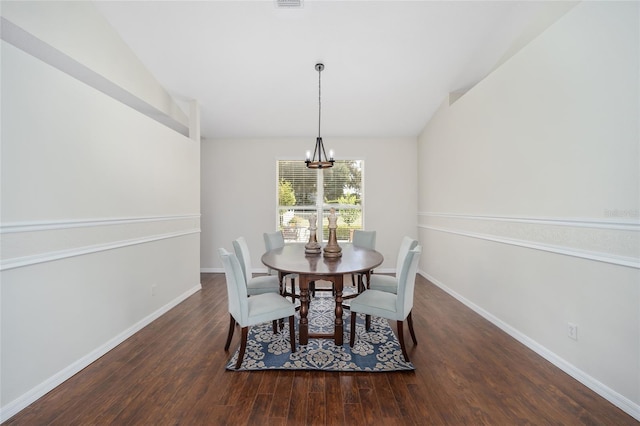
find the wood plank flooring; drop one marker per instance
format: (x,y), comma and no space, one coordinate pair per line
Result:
(468,372)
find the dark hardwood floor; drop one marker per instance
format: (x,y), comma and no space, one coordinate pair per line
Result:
(468,372)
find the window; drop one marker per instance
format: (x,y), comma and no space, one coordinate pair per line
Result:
(303,191)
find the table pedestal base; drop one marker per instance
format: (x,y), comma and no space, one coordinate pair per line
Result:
(338,327)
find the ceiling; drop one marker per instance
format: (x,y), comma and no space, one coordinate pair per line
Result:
(388,64)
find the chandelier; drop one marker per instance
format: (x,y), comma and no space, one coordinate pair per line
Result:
(319,159)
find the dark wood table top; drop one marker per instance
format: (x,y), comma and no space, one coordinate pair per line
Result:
(292,259)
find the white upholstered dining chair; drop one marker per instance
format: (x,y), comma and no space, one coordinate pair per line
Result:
(274,240)
(365,239)
(255,285)
(249,311)
(386,282)
(392,306)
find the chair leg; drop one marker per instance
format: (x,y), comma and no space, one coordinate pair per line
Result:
(243,346)
(352,339)
(293,290)
(413,335)
(232,323)
(275,326)
(367,322)
(292,334)
(401,340)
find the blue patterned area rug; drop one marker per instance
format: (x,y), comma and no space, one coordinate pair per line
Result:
(377,350)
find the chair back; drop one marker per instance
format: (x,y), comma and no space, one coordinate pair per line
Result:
(407,244)
(407,282)
(273,240)
(236,286)
(365,239)
(241,249)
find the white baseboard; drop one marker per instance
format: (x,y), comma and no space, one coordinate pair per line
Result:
(37,392)
(604,391)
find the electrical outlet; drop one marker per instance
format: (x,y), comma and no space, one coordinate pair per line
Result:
(153,289)
(572,331)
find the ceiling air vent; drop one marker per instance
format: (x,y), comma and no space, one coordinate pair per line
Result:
(289,4)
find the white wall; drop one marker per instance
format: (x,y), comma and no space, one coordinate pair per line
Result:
(100,216)
(239,192)
(529,189)
(74,37)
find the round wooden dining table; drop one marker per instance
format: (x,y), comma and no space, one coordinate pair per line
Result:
(292,259)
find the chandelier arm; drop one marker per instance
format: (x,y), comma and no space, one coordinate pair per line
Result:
(323,154)
(316,151)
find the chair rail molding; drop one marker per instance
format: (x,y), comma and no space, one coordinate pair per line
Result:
(81,223)
(615,241)
(30,243)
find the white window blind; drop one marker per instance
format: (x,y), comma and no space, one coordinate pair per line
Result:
(303,191)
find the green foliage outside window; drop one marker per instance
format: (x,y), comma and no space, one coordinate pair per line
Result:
(286,194)
(348,215)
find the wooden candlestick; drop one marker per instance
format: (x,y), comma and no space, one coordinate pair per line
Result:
(332,250)
(312,247)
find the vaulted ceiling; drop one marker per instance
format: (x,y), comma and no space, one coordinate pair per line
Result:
(388,64)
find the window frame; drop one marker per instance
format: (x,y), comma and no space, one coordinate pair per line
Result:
(301,233)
